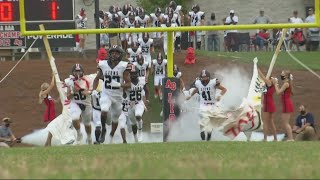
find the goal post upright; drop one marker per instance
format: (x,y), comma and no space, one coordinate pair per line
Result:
(53,65)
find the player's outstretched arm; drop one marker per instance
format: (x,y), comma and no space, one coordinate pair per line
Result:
(97,78)
(127,80)
(193,93)
(222,88)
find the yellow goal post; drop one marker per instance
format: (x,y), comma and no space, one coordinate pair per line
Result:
(169,30)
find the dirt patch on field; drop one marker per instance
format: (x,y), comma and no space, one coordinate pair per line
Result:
(19,92)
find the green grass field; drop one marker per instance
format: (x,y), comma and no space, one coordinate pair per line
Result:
(165,160)
(311,59)
(189,160)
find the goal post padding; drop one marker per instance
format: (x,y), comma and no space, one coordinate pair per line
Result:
(171,110)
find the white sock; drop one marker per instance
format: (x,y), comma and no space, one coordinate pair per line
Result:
(78,132)
(140,124)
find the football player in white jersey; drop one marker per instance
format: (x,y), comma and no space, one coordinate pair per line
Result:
(180,21)
(142,19)
(79,88)
(116,78)
(165,38)
(124,118)
(159,67)
(96,115)
(178,74)
(131,22)
(143,72)
(124,13)
(196,18)
(137,97)
(206,87)
(133,53)
(157,19)
(146,45)
(81,23)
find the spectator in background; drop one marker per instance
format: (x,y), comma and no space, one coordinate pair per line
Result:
(312,33)
(81,23)
(213,36)
(295,20)
(298,39)
(262,19)
(232,35)
(7,138)
(305,125)
(262,38)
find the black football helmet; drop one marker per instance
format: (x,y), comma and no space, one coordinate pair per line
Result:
(115,57)
(77,71)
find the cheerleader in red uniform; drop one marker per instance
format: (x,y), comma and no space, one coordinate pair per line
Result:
(50,113)
(287,107)
(269,107)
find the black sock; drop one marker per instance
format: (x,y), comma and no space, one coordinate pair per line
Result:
(203,136)
(103,122)
(209,137)
(97,133)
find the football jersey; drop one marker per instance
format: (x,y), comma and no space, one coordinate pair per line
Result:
(115,74)
(123,18)
(84,83)
(110,15)
(173,20)
(96,101)
(102,25)
(177,12)
(155,21)
(126,105)
(142,69)
(207,92)
(143,22)
(160,69)
(196,18)
(145,46)
(136,92)
(130,24)
(133,55)
(81,23)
